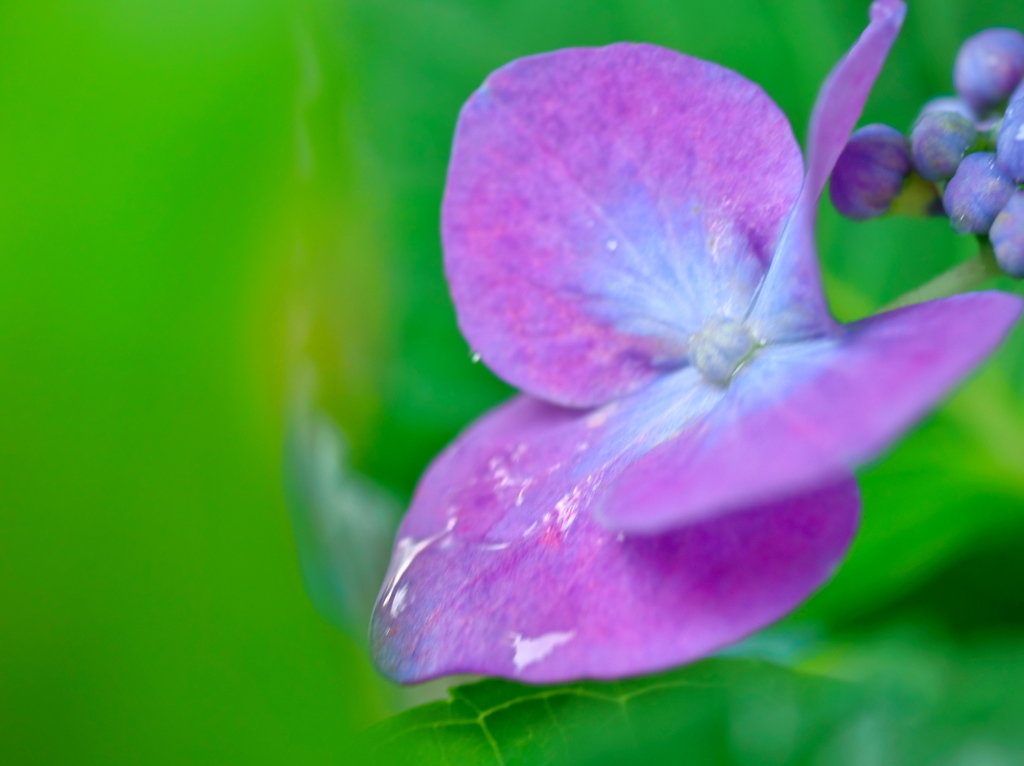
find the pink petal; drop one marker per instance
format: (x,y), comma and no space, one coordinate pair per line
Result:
(800,414)
(791,303)
(601,204)
(500,568)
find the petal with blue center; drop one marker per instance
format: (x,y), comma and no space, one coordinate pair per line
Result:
(601,204)
(797,415)
(500,567)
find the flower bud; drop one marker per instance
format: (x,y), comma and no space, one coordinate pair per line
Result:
(1010,144)
(989,66)
(1007,235)
(977,193)
(870,172)
(939,141)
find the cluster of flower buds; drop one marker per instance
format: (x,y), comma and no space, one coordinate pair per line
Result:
(964,157)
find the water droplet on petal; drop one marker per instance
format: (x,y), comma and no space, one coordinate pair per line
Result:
(398,602)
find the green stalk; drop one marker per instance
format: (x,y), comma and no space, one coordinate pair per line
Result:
(962,278)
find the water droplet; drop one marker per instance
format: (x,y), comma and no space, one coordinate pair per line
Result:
(612,245)
(600,417)
(406,550)
(568,506)
(474,357)
(398,602)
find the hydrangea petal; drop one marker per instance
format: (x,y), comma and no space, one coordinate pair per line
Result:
(500,569)
(791,304)
(601,203)
(801,413)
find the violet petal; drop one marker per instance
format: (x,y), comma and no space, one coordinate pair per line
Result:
(798,414)
(601,204)
(500,568)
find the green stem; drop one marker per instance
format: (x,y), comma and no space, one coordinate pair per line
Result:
(961,278)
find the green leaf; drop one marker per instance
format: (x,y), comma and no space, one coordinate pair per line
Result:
(929,700)
(899,695)
(712,712)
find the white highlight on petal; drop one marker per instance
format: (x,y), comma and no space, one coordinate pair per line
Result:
(502,476)
(398,603)
(1020,134)
(600,417)
(568,507)
(531,650)
(406,551)
(522,491)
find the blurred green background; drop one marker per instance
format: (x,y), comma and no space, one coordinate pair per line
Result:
(219,237)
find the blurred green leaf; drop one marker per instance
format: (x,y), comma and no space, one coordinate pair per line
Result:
(900,696)
(714,712)
(929,701)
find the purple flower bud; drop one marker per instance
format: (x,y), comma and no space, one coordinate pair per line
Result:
(1007,236)
(977,193)
(870,172)
(1010,144)
(989,66)
(939,141)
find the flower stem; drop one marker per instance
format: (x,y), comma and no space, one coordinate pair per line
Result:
(959,279)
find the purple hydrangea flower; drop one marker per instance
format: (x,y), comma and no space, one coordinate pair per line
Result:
(629,239)
(870,172)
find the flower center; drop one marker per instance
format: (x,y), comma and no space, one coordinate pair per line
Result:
(720,348)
